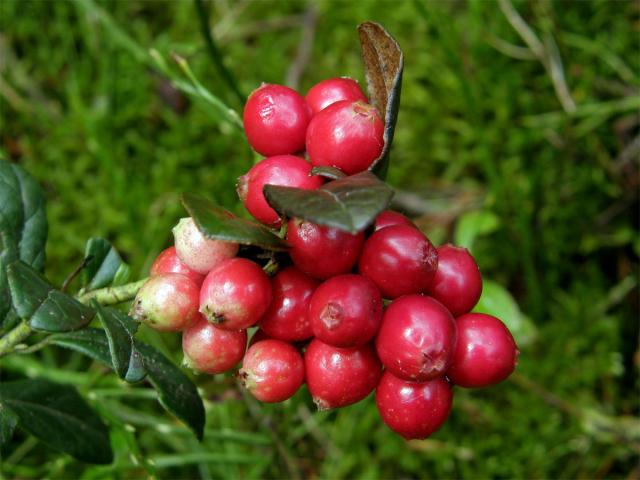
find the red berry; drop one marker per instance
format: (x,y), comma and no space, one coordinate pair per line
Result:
(417,338)
(389,218)
(457,283)
(209,349)
(411,409)
(322,252)
(485,354)
(287,319)
(327,92)
(167,302)
(235,294)
(275,120)
(400,260)
(346,135)
(337,377)
(346,311)
(198,252)
(168,262)
(272,370)
(284,170)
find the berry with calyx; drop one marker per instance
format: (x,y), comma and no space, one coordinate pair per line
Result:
(457,283)
(198,252)
(400,260)
(412,409)
(284,170)
(332,90)
(168,262)
(389,218)
(286,318)
(235,294)
(337,377)
(167,302)
(417,338)
(346,311)
(320,251)
(272,370)
(346,135)
(209,349)
(485,354)
(275,120)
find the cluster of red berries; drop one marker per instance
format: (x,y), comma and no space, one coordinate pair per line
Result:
(406,310)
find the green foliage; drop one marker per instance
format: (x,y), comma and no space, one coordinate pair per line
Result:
(103,265)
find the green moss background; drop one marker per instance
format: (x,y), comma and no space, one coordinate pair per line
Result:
(528,154)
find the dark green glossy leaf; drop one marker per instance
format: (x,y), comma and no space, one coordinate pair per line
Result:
(383,64)
(8,422)
(332,173)
(216,222)
(91,342)
(103,266)
(58,416)
(350,203)
(28,289)
(176,392)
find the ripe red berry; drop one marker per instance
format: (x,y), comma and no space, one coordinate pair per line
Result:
(346,135)
(167,302)
(168,262)
(322,252)
(275,120)
(209,349)
(272,370)
(327,92)
(400,260)
(417,338)
(346,311)
(411,409)
(284,170)
(198,252)
(389,218)
(287,319)
(235,294)
(338,377)
(457,283)
(485,354)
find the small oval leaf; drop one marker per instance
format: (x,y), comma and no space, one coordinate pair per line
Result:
(104,264)
(91,342)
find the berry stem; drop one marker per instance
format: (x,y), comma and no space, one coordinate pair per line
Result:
(113,295)
(14,337)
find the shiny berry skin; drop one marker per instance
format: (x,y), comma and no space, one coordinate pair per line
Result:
(389,218)
(337,377)
(332,90)
(457,283)
(346,311)
(412,409)
(287,319)
(209,349)
(346,135)
(485,354)
(235,294)
(197,252)
(417,338)
(167,302)
(272,370)
(284,170)
(168,262)
(275,120)
(400,260)
(322,252)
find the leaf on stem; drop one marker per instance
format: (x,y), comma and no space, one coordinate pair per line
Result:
(104,266)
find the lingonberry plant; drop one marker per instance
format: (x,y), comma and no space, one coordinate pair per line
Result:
(316,267)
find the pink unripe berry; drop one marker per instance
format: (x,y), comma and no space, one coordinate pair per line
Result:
(412,409)
(332,90)
(275,120)
(272,370)
(168,262)
(389,218)
(283,170)
(167,302)
(346,311)
(198,252)
(209,349)
(417,338)
(346,135)
(235,294)
(485,354)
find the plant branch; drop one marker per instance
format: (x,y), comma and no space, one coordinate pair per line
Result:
(113,295)
(14,337)
(74,274)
